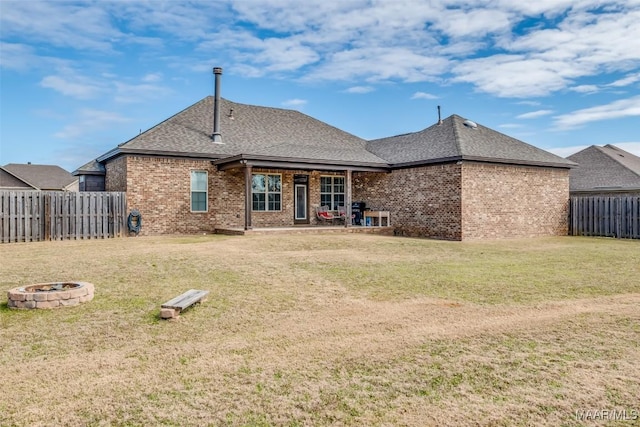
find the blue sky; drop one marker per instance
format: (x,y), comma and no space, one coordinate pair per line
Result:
(80,77)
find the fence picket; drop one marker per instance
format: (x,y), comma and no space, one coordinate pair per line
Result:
(27,216)
(605,216)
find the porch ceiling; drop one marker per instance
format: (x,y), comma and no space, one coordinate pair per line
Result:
(273,162)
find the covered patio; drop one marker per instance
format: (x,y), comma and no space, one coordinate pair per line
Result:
(301,189)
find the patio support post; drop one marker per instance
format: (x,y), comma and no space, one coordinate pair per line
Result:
(347,198)
(247,196)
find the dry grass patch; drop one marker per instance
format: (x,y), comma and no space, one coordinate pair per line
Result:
(324,330)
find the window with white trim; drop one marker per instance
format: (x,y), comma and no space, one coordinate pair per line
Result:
(332,191)
(266,192)
(199,193)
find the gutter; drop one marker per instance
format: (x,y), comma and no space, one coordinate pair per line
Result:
(567,165)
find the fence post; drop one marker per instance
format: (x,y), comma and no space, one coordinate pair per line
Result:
(618,217)
(47,216)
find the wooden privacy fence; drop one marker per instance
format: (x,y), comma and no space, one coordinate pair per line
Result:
(605,216)
(27,216)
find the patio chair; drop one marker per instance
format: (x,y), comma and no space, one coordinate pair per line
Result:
(324,215)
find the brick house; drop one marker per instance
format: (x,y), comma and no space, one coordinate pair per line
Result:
(223,165)
(605,171)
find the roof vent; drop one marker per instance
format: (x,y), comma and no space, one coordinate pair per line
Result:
(470,124)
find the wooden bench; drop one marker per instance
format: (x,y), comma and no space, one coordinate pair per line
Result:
(172,308)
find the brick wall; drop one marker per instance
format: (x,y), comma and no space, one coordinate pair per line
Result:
(116,174)
(502,201)
(447,201)
(470,200)
(226,198)
(285,217)
(160,188)
(423,201)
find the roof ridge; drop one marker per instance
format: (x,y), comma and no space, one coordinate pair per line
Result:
(291,110)
(414,132)
(614,158)
(164,121)
(258,106)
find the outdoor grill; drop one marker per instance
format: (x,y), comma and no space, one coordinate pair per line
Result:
(357,212)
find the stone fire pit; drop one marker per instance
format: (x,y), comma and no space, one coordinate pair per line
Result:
(50,295)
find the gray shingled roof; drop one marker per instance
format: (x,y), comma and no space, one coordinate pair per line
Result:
(9,181)
(91,168)
(601,168)
(288,135)
(41,177)
(251,130)
(453,140)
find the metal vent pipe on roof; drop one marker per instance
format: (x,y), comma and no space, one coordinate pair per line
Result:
(216,136)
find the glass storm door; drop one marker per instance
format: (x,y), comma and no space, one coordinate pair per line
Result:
(300,197)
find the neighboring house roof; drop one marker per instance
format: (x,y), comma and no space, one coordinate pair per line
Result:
(454,140)
(604,168)
(40,177)
(249,131)
(9,181)
(91,168)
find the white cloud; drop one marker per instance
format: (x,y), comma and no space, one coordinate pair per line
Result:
(423,95)
(23,57)
(513,75)
(73,86)
(534,114)
(403,40)
(629,107)
(70,25)
(91,120)
(135,93)
(530,103)
(547,60)
(374,64)
(585,89)
(152,78)
(183,20)
(473,22)
(626,81)
(16,56)
(360,89)
(295,102)
(285,55)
